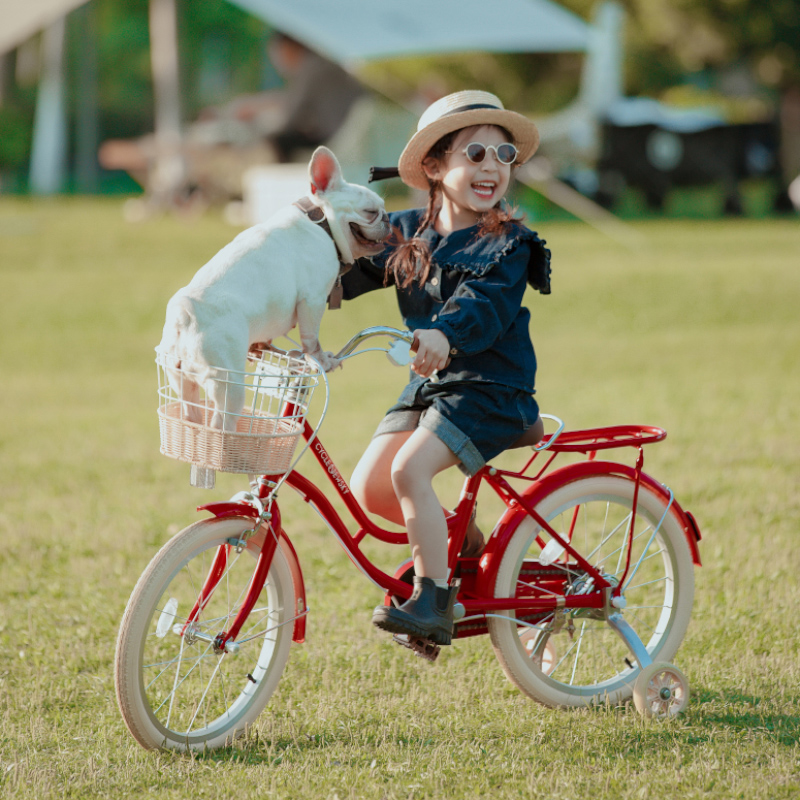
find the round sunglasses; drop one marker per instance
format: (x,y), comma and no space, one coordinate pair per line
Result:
(476,152)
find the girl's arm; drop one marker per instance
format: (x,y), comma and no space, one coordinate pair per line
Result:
(483,308)
(365,276)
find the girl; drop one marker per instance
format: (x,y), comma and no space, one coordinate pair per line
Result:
(460,267)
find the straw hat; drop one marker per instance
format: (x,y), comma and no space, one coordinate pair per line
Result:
(461,110)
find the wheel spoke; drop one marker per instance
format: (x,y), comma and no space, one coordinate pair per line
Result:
(663,579)
(577,654)
(171,694)
(595,665)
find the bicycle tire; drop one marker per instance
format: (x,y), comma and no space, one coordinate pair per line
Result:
(174,691)
(594,665)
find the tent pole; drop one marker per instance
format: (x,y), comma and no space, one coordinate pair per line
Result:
(49,147)
(87,124)
(170,170)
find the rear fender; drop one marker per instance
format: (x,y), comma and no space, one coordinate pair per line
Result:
(235,509)
(505,529)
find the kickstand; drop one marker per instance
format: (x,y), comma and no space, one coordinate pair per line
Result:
(424,648)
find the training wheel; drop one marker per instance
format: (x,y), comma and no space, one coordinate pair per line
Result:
(661,691)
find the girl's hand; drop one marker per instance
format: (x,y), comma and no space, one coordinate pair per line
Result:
(433,351)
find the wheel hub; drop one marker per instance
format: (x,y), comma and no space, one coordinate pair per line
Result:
(585,584)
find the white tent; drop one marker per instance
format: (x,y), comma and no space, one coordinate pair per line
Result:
(21,20)
(347,30)
(352,30)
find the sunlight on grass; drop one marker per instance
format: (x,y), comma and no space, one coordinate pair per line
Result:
(698,332)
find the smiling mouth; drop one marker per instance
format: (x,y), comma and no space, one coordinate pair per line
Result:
(484,189)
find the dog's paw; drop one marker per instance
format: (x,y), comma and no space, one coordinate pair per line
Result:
(326,360)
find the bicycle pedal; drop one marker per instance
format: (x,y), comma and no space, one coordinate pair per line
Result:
(424,648)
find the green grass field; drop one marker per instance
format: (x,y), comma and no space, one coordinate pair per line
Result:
(698,332)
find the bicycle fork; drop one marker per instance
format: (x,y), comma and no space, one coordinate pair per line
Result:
(225,642)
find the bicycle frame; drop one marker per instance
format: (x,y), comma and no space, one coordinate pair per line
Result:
(587,570)
(476,574)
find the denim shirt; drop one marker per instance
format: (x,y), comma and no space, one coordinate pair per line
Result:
(473,295)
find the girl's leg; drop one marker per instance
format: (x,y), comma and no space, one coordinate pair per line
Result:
(428,613)
(417,462)
(372,479)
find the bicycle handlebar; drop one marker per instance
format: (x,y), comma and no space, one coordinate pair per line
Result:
(348,350)
(369,333)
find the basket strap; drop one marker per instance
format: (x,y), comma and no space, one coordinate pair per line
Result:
(317,216)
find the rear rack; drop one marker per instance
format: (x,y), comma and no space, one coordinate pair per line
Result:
(592,439)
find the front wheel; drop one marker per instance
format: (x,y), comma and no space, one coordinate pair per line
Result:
(574,657)
(175,689)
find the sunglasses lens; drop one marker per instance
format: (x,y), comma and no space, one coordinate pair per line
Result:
(506,153)
(476,152)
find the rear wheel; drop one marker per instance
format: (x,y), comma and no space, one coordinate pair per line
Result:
(575,658)
(175,689)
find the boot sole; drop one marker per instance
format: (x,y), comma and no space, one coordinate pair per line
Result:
(384,619)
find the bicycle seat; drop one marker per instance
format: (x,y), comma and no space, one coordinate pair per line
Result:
(531,437)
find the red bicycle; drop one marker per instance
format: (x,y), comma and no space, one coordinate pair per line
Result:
(585,586)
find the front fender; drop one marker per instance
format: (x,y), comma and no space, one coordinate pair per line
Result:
(505,529)
(235,509)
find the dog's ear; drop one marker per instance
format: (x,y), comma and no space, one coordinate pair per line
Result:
(324,171)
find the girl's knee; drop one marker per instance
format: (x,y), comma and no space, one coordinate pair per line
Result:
(408,475)
(417,463)
(371,486)
(363,485)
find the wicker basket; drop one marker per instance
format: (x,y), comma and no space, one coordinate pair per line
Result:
(261,438)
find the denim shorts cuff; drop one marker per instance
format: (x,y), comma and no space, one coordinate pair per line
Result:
(396,421)
(460,444)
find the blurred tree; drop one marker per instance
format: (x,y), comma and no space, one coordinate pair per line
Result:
(15,140)
(223,55)
(125,91)
(665,40)
(215,37)
(668,38)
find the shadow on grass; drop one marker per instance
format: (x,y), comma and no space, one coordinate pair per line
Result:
(254,749)
(739,712)
(710,712)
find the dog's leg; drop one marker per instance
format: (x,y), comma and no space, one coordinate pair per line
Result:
(188,390)
(227,398)
(190,397)
(308,321)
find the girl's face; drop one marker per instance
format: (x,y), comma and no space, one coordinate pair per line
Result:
(469,190)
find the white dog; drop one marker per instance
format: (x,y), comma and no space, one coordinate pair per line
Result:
(270,278)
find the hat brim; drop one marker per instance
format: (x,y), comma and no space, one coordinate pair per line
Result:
(522,130)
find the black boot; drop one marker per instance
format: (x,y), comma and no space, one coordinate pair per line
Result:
(428,613)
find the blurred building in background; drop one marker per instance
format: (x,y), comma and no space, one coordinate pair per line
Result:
(189,99)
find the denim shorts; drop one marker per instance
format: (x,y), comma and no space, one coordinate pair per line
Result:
(477,421)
